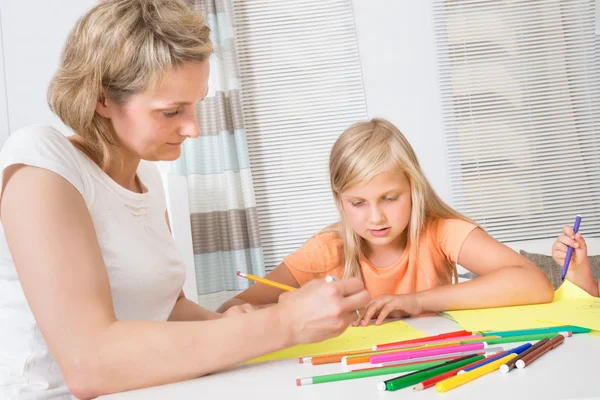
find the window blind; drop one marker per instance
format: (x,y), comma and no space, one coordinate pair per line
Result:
(521,105)
(301,86)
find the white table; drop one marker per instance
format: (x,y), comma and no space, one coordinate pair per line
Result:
(570,371)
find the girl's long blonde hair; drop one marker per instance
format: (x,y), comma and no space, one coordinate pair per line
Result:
(365,150)
(120,48)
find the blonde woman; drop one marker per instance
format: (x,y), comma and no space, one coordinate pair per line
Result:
(401,239)
(91,298)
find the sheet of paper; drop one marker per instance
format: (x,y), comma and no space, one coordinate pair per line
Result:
(354,338)
(571,306)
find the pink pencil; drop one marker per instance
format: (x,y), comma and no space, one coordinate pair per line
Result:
(401,346)
(403,355)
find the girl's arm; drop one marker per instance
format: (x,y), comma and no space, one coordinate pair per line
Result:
(262,295)
(505,279)
(67,287)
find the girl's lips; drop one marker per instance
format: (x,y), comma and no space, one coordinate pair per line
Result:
(379,232)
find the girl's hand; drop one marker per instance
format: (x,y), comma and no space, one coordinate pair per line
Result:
(321,310)
(579,259)
(391,305)
(240,309)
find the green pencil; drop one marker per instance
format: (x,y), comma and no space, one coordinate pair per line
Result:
(419,376)
(557,329)
(366,373)
(524,338)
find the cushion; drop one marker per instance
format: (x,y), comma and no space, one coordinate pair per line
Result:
(553,270)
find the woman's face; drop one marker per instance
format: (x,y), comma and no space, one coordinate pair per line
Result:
(152,125)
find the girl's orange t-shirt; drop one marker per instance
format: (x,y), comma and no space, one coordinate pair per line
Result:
(440,245)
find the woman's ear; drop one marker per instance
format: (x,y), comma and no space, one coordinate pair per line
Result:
(104,106)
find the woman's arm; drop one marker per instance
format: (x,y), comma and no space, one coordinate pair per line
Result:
(67,287)
(505,279)
(187,310)
(262,295)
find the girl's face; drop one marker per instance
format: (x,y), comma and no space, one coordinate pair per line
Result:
(152,125)
(379,210)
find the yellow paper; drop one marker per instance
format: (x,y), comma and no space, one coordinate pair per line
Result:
(571,306)
(354,338)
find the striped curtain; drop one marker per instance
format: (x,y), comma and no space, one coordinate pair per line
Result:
(217,166)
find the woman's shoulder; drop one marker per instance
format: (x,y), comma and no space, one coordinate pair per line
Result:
(38,140)
(45,147)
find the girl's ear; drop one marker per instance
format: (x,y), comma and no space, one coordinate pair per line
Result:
(104,106)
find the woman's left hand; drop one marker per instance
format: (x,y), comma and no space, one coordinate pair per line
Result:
(391,305)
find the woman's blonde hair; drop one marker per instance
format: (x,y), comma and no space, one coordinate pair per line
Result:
(120,48)
(363,151)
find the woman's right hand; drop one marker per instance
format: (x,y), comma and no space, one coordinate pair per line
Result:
(321,310)
(579,259)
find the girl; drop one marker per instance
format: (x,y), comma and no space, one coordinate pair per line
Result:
(580,271)
(91,298)
(402,240)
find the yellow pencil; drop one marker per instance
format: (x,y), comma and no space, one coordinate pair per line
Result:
(266,281)
(461,379)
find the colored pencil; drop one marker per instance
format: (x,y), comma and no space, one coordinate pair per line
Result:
(458,380)
(517,350)
(540,351)
(505,368)
(552,329)
(525,338)
(408,362)
(366,357)
(363,374)
(488,352)
(427,338)
(468,338)
(381,358)
(565,268)
(426,384)
(417,376)
(265,281)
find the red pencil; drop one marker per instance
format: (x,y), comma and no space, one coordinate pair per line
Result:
(426,384)
(428,338)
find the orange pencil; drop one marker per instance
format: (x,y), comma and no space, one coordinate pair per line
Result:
(265,281)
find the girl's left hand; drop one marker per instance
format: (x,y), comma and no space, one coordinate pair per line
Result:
(391,305)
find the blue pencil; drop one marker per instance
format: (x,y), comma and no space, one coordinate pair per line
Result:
(570,249)
(517,350)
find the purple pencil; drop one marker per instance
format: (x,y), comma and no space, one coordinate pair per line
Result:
(570,249)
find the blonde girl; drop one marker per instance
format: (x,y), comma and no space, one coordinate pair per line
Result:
(401,239)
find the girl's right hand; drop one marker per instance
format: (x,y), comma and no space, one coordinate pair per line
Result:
(321,310)
(579,259)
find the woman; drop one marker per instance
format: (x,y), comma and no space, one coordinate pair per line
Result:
(91,298)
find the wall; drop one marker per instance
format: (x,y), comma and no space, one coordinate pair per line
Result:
(396,44)
(33,36)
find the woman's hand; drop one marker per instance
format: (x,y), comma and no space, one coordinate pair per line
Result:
(240,309)
(321,310)
(391,305)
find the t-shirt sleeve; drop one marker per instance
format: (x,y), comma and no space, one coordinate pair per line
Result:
(44,147)
(321,255)
(451,235)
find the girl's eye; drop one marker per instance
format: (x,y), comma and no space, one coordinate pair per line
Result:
(170,114)
(391,198)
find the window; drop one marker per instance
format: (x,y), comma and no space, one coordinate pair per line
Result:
(301,86)
(521,101)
